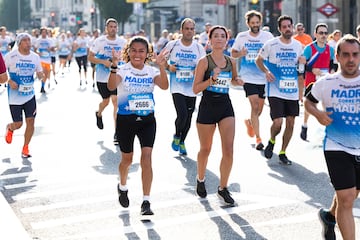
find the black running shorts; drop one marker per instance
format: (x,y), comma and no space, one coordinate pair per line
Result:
(129,126)
(254,89)
(280,108)
(344,169)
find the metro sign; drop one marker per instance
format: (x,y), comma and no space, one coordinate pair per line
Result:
(328,9)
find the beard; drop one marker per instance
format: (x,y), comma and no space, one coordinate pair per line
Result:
(255,29)
(287,35)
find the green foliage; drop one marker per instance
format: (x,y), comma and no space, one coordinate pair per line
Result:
(9,14)
(118,9)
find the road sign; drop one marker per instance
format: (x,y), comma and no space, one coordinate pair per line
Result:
(328,9)
(72,20)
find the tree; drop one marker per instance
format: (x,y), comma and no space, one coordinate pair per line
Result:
(9,14)
(118,9)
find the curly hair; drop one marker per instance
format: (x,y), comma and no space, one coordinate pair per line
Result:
(139,39)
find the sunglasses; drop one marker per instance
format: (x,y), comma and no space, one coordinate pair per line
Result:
(322,33)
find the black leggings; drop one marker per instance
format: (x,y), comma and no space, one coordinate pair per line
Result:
(81,61)
(185,107)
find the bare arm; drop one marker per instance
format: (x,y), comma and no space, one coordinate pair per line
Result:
(199,85)
(322,116)
(260,64)
(95,60)
(236,80)
(162,79)
(4,77)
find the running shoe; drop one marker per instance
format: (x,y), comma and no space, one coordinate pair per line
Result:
(200,189)
(25,152)
(303,134)
(145,208)
(8,135)
(250,129)
(116,141)
(123,198)
(328,227)
(42,90)
(175,143)
(284,160)
(182,149)
(269,150)
(259,144)
(99,121)
(225,196)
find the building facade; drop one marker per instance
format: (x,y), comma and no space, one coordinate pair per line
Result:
(157,15)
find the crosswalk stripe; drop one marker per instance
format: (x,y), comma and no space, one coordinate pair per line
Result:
(264,203)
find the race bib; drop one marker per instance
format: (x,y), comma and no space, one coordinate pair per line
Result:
(142,104)
(25,89)
(184,74)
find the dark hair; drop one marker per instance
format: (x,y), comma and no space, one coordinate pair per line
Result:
(218,27)
(139,39)
(283,18)
(347,38)
(253,13)
(186,20)
(320,25)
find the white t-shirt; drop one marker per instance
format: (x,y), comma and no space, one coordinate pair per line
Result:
(135,92)
(185,58)
(102,48)
(21,69)
(43,45)
(281,59)
(341,97)
(249,72)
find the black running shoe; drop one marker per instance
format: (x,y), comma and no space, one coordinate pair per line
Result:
(145,208)
(284,160)
(225,196)
(259,146)
(123,198)
(42,90)
(99,121)
(303,134)
(116,141)
(328,227)
(269,150)
(200,189)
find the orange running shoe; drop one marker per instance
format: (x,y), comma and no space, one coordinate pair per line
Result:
(250,130)
(8,135)
(25,152)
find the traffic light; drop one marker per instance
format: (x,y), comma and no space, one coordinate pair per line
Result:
(254,5)
(52,15)
(79,19)
(92,12)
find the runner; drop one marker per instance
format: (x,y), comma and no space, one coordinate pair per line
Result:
(278,59)
(43,46)
(213,76)
(22,64)
(100,54)
(183,57)
(246,46)
(339,113)
(135,82)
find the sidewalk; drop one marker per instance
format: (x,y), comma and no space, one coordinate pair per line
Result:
(10,226)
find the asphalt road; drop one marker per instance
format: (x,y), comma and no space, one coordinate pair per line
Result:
(67,190)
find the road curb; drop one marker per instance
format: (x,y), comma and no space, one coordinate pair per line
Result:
(10,226)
